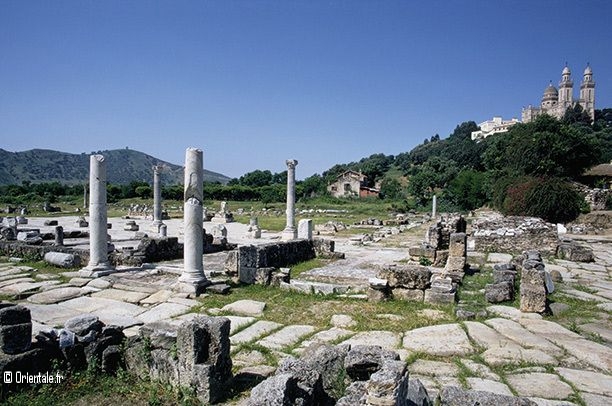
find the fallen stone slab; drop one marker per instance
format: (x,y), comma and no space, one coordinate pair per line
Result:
(79,282)
(25,288)
(454,396)
(587,381)
(521,335)
(488,385)
(51,315)
(245,308)
(162,311)
(442,340)
(238,322)
(287,336)
(15,281)
(56,295)
(100,306)
(433,368)
(499,258)
(99,283)
(512,313)
(516,355)
(486,336)
(11,271)
(548,386)
(386,339)
(122,295)
(254,332)
(595,400)
(158,297)
(16,275)
(327,336)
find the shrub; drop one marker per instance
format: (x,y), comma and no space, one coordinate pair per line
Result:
(553,199)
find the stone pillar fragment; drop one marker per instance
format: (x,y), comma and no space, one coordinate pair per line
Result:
(305,229)
(290,232)
(59,236)
(99,264)
(157,207)
(193,279)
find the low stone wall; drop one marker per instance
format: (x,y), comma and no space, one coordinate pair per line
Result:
(37,252)
(514,234)
(256,263)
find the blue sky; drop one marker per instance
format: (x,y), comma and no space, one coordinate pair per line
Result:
(253,83)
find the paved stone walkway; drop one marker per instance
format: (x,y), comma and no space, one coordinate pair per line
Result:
(507,353)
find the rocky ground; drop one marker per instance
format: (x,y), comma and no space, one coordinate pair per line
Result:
(506,351)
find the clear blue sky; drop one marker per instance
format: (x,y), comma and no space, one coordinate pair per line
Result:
(253,83)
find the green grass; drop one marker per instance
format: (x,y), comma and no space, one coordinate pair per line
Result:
(91,388)
(287,307)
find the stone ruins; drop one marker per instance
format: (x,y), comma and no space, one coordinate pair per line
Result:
(139,302)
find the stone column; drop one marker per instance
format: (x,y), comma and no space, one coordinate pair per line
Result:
(157,208)
(193,279)
(290,232)
(98,243)
(434,205)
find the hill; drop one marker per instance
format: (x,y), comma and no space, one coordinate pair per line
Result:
(124,166)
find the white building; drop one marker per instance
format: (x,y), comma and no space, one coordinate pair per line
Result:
(494,126)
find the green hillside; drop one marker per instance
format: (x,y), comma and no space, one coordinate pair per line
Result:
(124,166)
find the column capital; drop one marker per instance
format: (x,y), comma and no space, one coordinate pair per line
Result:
(291,163)
(157,168)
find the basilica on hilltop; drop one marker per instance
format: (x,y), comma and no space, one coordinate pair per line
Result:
(556,102)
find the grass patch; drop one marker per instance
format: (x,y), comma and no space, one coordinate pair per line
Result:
(302,267)
(288,307)
(91,388)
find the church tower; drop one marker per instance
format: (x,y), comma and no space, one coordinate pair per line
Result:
(566,89)
(587,92)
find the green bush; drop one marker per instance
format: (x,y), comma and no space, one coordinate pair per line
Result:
(552,199)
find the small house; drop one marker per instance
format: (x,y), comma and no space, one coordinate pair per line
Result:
(351,184)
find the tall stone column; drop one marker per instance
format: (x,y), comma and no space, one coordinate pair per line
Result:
(157,208)
(193,279)
(290,232)
(434,207)
(98,243)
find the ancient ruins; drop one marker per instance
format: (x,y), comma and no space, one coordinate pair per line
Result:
(133,297)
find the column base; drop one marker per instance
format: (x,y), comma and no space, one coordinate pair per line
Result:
(289,234)
(96,271)
(192,287)
(156,225)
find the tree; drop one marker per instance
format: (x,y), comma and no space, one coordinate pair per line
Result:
(390,189)
(257,178)
(467,190)
(144,192)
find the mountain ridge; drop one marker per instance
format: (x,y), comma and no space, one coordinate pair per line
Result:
(124,166)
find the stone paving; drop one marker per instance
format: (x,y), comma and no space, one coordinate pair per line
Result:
(507,353)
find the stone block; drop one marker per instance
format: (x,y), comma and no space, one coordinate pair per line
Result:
(533,290)
(499,292)
(406,276)
(571,251)
(389,385)
(14,314)
(441,258)
(364,360)
(50,222)
(434,296)
(83,324)
(457,245)
(422,251)
(377,295)
(305,227)
(15,338)
(416,295)
(455,264)
(504,275)
(62,259)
